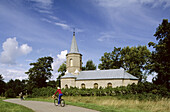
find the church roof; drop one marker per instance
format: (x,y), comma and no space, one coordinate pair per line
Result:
(101,74)
(74,47)
(105,74)
(69,75)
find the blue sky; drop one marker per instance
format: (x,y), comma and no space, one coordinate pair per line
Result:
(30,29)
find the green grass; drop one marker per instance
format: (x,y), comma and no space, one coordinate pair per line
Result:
(10,107)
(103,108)
(90,105)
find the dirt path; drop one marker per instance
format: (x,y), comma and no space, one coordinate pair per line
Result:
(38,106)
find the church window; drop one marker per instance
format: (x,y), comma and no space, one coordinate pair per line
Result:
(71,62)
(83,85)
(95,85)
(109,85)
(66,86)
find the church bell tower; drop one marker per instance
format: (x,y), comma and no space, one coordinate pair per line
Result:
(74,58)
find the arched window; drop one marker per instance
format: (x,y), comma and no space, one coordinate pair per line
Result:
(71,62)
(66,86)
(95,85)
(109,84)
(83,85)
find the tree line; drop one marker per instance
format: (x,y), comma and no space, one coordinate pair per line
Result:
(138,61)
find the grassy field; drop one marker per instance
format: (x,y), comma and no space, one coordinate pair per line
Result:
(112,104)
(10,107)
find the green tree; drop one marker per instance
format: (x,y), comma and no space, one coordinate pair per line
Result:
(61,70)
(10,93)
(89,65)
(160,62)
(2,85)
(16,85)
(52,83)
(40,72)
(111,60)
(134,60)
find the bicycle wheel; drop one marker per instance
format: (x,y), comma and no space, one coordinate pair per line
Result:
(62,103)
(56,102)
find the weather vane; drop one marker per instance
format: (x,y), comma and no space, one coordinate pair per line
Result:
(74,31)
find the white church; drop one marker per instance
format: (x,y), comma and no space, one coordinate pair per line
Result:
(75,77)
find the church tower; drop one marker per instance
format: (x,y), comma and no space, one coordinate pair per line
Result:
(74,58)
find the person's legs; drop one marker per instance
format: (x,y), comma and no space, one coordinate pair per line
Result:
(59,98)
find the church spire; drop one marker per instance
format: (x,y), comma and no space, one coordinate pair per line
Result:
(74,47)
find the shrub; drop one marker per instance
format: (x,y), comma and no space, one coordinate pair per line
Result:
(140,91)
(10,93)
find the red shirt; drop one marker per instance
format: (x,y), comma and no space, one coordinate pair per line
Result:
(59,91)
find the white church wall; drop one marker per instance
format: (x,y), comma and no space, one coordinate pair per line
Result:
(69,82)
(104,83)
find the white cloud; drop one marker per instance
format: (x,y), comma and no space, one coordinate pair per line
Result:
(67,27)
(54,17)
(25,49)
(46,20)
(11,51)
(105,37)
(16,73)
(43,4)
(123,3)
(112,36)
(57,62)
(44,11)
(64,26)
(62,56)
(150,77)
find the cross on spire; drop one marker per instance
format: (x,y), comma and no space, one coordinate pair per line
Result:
(73,31)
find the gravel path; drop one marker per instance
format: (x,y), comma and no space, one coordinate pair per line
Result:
(39,106)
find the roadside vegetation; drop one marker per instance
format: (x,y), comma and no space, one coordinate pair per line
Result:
(10,107)
(143,97)
(113,104)
(140,91)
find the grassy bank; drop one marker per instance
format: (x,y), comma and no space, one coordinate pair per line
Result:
(10,107)
(112,104)
(125,105)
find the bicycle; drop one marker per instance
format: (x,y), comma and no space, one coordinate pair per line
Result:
(62,102)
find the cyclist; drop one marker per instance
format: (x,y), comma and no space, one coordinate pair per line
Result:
(60,94)
(21,96)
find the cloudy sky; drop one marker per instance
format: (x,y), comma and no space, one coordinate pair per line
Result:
(30,29)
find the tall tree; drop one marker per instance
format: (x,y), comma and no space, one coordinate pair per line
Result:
(52,83)
(161,56)
(111,60)
(134,60)
(16,85)
(61,70)
(2,85)
(89,65)
(40,72)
